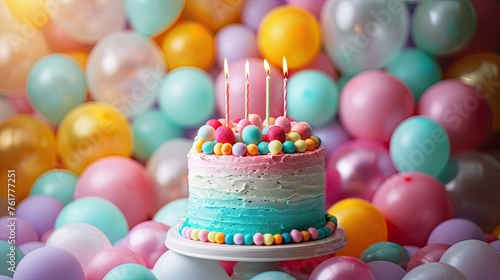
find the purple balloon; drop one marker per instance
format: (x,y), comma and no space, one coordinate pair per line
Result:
(455,230)
(496,244)
(253,11)
(49,263)
(435,270)
(235,41)
(312,6)
(385,270)
(41,211)
(4,277)
(17,228)
(28,247)
(342,268)
(411,249)
(332,136)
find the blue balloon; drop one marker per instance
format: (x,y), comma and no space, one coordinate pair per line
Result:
(55,85)
(57,183)
(420,144)
(273,275)
(152,17)
(313,97)
(172,212)
(9,258)
(130,271)
(151,129)
(187,96)
(417,69)
(95,211)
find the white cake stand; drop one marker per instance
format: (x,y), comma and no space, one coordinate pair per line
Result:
(253,260)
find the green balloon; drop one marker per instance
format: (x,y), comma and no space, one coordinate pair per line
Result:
(386,251)
(10,256)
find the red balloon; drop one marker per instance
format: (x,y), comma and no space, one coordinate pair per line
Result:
(342,268)
(427,254)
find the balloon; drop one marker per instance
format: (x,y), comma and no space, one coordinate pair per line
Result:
(413,204)
(273,275)
(60,41)
(130,270)
(92,131)
(171,213)
(420,144)
(424,71)
(88,21)
(235,42)
(321,63)
(496,232)
(496,244)
(79,56)
(21,104)
(455,230)
(428,254)
(411,249)
(301,269)
(57,183)
(6,16)
(41,211)
(183,102)
(386,251)
(366,35)
(95,211)
(175,266)
(125,69)
(435,270)
(435,24)
(487,21)
(475,259)
(373,103)
(29,247)
(215,15)
(189,43)
(29,12)
(384,270)
(277,36)
(109,258)
(356,169)
(6,109)
(18,55)
(49,263)
(10,256)
(82,240)
(342,268)
(27,149)
(152,17)
(332,136)
(148,240)
(168,168)
(362,222)
(313,6)
(474,189)
(254,11)
(55,85)
(17,231)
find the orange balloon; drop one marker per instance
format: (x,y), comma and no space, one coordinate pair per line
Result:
(80,56)
(362,222)
(32,12)
(483,71)
(214,14)
(496,232)
(27,149)
(189,44)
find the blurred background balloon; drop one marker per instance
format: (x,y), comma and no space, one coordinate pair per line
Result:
(301,269)
(20,104)
(443,27)
(386,251)
(57,183)
(435,270)
(79,56)
(88,21)
(332,136)
(125,69)
(475,190)
(5,12)
(321,63)
(148,240)
(6,109)
(91,131)
(214,14)
(487,22)
(384,270)
(60,41)
(358,35)
(313,6)
(171,213)
(132,270)
(428,254)
(235,42)
(5,249)
(41,211)
(273,275)
(253,11)
(109,258)
(32,12)
(455,230)
(24,231)
(152,17)
(340,268)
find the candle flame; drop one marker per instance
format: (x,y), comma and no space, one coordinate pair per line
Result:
(226,70)
(285,68)
(247,70)
(266,66)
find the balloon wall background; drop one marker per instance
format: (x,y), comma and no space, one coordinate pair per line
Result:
(99,102)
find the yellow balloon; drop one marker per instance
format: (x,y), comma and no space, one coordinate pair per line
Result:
(80,56)
(189,44)
(291,32)
(214,14)
(362,222)
(5,13)
(32,12)
(27,149)
(483,71)
(92,131)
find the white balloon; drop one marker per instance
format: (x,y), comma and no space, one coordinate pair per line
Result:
(434,270)
(173,266)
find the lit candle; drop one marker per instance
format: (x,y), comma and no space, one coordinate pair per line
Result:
(247,88)
(226,91)
(268,82)
(285,85)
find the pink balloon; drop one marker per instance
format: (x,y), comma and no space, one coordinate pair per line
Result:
(413,204)
(356,169)
(322,63)
(148,240)
(342,268)
(428,254)
(21,104)
(313,6)
(109,258)
(301,269)
(122,181)
(462,110)
(58,40)
(332,136)
(373,103)
(257,96)
(235,42)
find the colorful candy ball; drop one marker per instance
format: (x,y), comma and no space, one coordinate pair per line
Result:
(251,134)
(206,132)
(276,133)
(225,134)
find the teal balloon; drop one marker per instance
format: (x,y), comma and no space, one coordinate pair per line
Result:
(10,257)
(172,212)
(95,211)
(346,77)
(55,85)
(443,27)
(59,184)
(420,144)
(313,97)
(417,69)
(187,96)
(273,275)
(130,271)
(152,17)
(151,129)
(386,251)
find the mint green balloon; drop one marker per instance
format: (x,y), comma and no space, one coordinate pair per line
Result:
(55,85)
(151,129)
(386,251)
(417,69)
(130,271)
(152,17)
(10,256)
(58,183)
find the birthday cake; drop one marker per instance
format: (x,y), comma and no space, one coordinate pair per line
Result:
(262,186)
